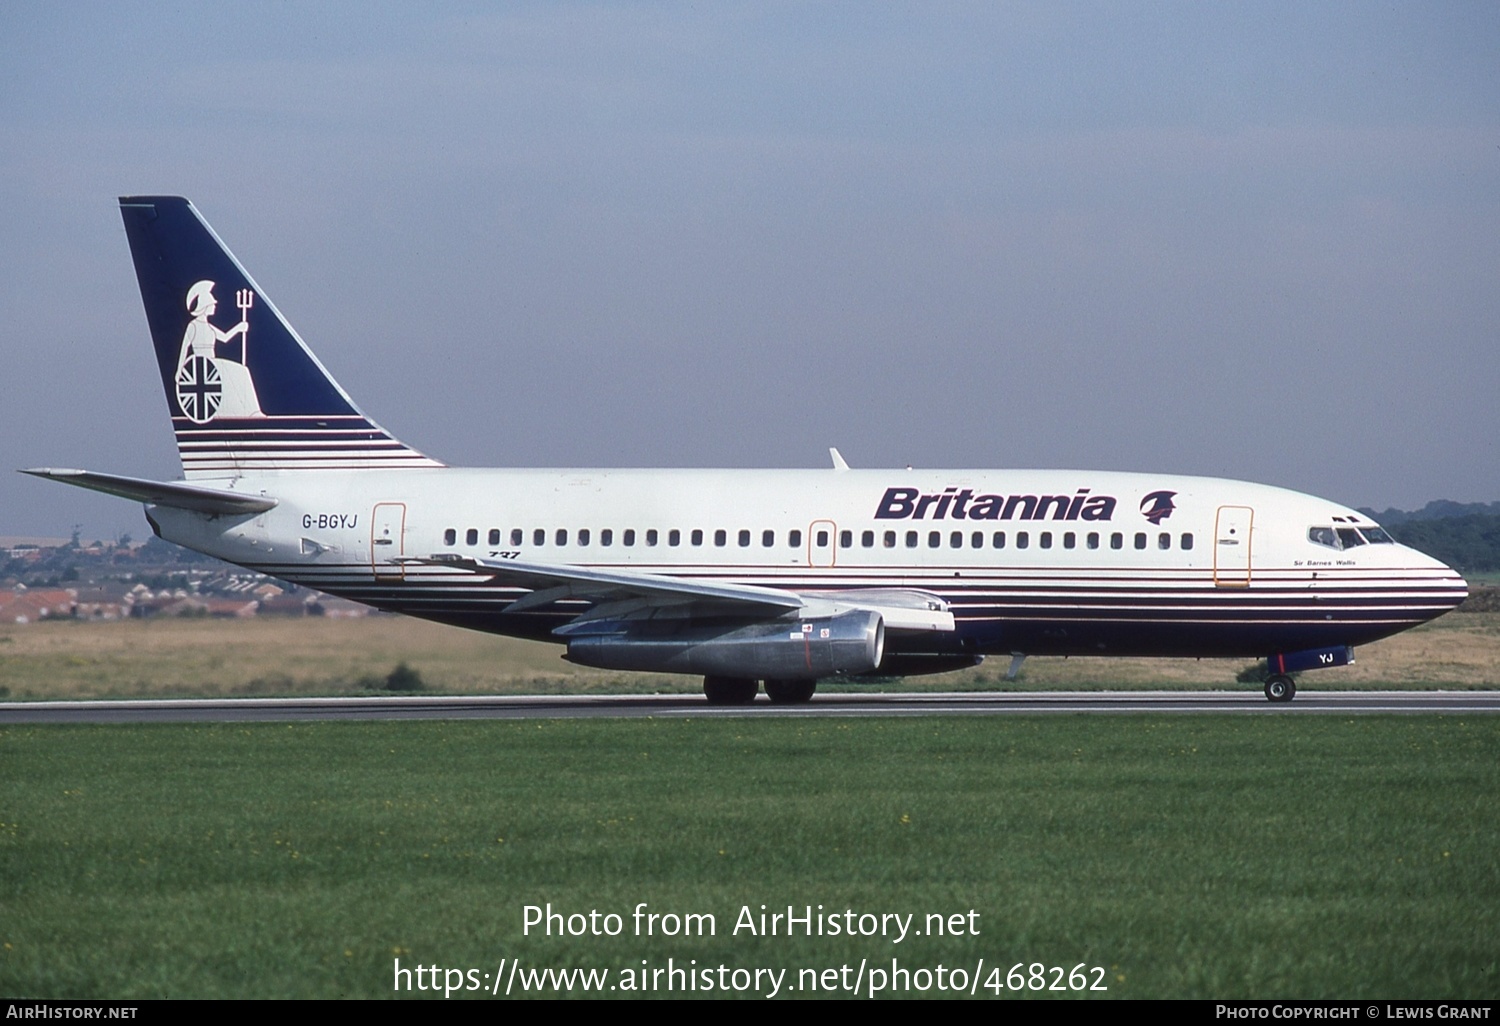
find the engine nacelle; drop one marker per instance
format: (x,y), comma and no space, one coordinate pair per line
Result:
(847,644)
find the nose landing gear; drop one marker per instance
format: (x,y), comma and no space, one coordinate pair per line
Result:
(1280,688)
(1279,685)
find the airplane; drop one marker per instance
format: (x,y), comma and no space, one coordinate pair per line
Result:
(749,578)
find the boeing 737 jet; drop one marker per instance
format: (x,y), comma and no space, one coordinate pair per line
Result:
(780,578)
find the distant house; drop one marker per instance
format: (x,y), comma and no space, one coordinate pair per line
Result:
(107,601)
(225,608)
(338,608)
(285,605)
(33,604)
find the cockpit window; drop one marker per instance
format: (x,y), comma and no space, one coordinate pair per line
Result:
(1348,537)
(1323,536)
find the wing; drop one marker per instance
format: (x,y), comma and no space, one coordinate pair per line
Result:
(620,593)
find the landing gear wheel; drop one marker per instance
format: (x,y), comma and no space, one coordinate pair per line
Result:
(1280,688)
(729,690)
(790,692)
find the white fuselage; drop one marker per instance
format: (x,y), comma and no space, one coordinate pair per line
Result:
(1044,561)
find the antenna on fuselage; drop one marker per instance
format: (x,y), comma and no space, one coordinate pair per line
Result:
(838,459)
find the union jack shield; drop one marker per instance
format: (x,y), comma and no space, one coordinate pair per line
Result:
(199,390)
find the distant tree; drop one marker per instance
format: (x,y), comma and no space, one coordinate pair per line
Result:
(1468,543)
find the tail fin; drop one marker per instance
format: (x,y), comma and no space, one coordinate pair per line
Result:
(246,394)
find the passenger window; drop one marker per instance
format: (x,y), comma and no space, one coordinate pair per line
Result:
(1187,541)
(1164,540)
(911,539)
(934,539)
(494,536)
(867,539)
(1022,539)
(822,539)
(976,540)
(1069,540)
(562,536)
(472,536)
(794,539)
(889,540)
(1046,539)
(1093,539)
(998,540)
(1117,540)
(450,536)
(744,538)
(583,536)
(768,538)
(515,536)
(651,536)
(721,537)
(956,540)
(846,539)
(697,536)
(539,537)
(629,536)
(674,537)
(1140,539)
(607,536)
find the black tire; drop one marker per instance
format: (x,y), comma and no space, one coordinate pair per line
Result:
(790,692)
(1280,688)
(729,690)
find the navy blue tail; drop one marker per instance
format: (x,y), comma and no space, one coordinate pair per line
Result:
(245,392)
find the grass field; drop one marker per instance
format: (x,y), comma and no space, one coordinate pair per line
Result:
(179,657)
(1187,857)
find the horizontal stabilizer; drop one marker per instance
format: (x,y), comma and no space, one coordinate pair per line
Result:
(160,493)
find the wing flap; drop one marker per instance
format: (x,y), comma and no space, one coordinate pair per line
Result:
(552,582)
(622,592)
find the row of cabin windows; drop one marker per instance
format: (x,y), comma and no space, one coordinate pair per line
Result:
(821,538)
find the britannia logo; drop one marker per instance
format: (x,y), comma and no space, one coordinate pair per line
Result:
(1157,506)
(210,386)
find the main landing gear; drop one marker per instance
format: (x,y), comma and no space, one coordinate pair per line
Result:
(790,692)
(1280,688)
(740,691)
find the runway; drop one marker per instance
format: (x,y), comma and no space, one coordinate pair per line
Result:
(514,707)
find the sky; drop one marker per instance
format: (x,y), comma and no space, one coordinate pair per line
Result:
(1253,240)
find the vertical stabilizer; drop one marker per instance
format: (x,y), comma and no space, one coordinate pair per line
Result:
(245,393)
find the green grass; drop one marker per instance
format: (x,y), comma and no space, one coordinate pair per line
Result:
(1189,856)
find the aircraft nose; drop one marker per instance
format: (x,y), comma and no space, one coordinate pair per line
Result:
(1449,584)
(1442,587)
(1461,587)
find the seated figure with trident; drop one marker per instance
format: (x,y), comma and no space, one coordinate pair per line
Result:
(210,386)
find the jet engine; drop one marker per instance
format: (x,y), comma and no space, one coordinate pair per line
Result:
(843,645)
